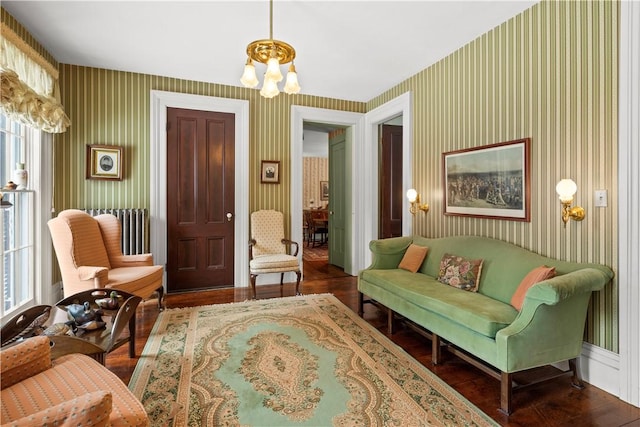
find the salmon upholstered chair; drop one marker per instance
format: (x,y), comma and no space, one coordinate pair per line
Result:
(268,248)
(70,390)
(89,256)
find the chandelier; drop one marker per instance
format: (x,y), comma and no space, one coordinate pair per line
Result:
(273,53)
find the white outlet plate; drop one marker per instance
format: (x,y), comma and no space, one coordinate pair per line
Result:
(600,198)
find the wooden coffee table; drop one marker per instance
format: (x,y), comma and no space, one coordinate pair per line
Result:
(96,343)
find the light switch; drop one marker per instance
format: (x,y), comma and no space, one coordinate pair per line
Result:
(601,198)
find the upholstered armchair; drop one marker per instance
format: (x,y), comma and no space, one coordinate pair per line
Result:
(89,256)
(268,248)
(70,390)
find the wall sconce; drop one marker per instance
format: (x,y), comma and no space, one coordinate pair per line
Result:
(414,199)
(566,188)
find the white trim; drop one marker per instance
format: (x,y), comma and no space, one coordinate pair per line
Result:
(397,106)
(344,118)
(42,176)
(160,100)
(600,368)
(629,201)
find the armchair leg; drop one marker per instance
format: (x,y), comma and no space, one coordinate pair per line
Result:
(252,279)
(298,275)
(160,292)
(281,279)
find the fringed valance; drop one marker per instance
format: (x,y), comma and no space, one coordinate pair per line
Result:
(29,85)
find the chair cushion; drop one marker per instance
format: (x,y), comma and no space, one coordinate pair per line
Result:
(142,280)
(273,263)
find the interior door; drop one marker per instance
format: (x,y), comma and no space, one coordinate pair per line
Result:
(391,191)
(337,208)
(200,199)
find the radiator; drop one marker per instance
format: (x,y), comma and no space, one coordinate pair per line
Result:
(135,228)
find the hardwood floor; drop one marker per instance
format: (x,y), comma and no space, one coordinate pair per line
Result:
(554,403)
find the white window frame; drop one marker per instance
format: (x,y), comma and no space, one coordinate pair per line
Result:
(38,159)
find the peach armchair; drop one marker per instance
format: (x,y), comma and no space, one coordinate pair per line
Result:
(70,390)
(89,256)
(268,248)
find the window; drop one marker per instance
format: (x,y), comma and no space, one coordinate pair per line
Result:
(17,236)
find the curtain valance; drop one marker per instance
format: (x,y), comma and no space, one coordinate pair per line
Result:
(29,85)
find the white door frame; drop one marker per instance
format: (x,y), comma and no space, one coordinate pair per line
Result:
(344,118)
(369,184)
(160,101)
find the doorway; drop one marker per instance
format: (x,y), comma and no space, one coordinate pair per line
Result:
(391,185)
(323,182)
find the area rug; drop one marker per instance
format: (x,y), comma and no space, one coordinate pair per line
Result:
(296,361)
(315,254)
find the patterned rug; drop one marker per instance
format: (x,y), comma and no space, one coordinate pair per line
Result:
(296,361)
(320,253)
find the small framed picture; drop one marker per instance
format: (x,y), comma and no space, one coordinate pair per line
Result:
(104,162)
(324,190)
(270,172)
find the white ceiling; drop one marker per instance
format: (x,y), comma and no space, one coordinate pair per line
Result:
(351,50)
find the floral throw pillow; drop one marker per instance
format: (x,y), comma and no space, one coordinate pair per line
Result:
(459,272)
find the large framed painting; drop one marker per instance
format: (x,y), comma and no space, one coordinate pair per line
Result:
(492,181)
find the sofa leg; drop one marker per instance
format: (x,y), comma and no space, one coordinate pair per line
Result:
(506,391)
(360,304)
(576,379)
(435,349)
(390,324)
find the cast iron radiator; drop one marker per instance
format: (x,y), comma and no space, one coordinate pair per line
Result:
(135,228)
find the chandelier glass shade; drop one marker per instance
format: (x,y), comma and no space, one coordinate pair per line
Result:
(273,53)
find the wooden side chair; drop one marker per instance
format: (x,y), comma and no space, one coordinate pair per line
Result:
(269,250)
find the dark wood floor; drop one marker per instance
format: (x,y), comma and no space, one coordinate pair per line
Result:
(554,403)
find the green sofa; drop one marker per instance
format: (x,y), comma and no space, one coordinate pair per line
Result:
(483,324)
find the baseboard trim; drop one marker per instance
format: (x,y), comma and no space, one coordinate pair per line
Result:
(600,368)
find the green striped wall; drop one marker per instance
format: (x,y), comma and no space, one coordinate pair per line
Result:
(549,73)
(113,107)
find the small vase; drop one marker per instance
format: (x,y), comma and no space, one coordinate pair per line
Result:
(20,177)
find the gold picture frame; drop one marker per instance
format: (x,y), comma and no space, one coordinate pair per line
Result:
(104,162)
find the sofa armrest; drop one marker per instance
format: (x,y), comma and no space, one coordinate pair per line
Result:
(24,360)
(139,260)
(387,253)
(554,290)
(550,326)
(99,275)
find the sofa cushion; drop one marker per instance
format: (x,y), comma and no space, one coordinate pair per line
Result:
(536,275)
(413,257)
(460,272)
(475,311)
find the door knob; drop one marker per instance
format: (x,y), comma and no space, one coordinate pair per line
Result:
(229,216)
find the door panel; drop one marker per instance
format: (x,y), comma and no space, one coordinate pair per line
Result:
(391,191)
(337,214)
(200,194)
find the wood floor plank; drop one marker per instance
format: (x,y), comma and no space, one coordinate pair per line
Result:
(554,403)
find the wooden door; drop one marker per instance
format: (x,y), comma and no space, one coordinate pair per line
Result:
(337,202)
(391,191)
(200,199)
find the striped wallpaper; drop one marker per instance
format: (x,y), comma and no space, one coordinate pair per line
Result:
(314,170)
(549,73)
(113,107)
